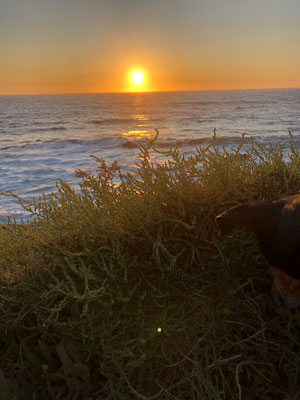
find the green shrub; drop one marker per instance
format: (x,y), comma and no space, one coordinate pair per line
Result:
(127,292)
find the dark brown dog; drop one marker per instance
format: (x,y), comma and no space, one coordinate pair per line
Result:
(276,225)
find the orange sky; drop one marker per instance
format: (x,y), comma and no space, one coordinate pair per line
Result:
(71,46)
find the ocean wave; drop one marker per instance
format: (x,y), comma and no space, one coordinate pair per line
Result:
(50,129)
(14,124)
(47,140)
(112,121)
(39,189)
(202,103)
(11,147)
(91,141)
(116,141)
(115,121)
(43,123)
(204,120)
(29,144)
(38,143)
(5,211)
(39,171)
(186,142)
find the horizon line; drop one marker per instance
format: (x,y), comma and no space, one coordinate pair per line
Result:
(148,91)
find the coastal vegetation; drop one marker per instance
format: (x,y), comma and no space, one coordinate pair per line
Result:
(124,289)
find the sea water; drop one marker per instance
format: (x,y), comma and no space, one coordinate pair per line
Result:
(46,138)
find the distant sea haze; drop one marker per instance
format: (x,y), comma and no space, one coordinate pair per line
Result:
(44,138)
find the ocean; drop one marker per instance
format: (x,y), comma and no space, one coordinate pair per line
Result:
(44,138)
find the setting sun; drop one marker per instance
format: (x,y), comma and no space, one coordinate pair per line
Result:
(137,77)
(137,80)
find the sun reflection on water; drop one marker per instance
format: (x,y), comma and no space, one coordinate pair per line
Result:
(140,117)
(137,134)
(141,122)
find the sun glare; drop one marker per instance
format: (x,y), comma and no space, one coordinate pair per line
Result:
(137,80)
(137,77)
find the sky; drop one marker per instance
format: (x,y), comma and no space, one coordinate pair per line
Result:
(82,46)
